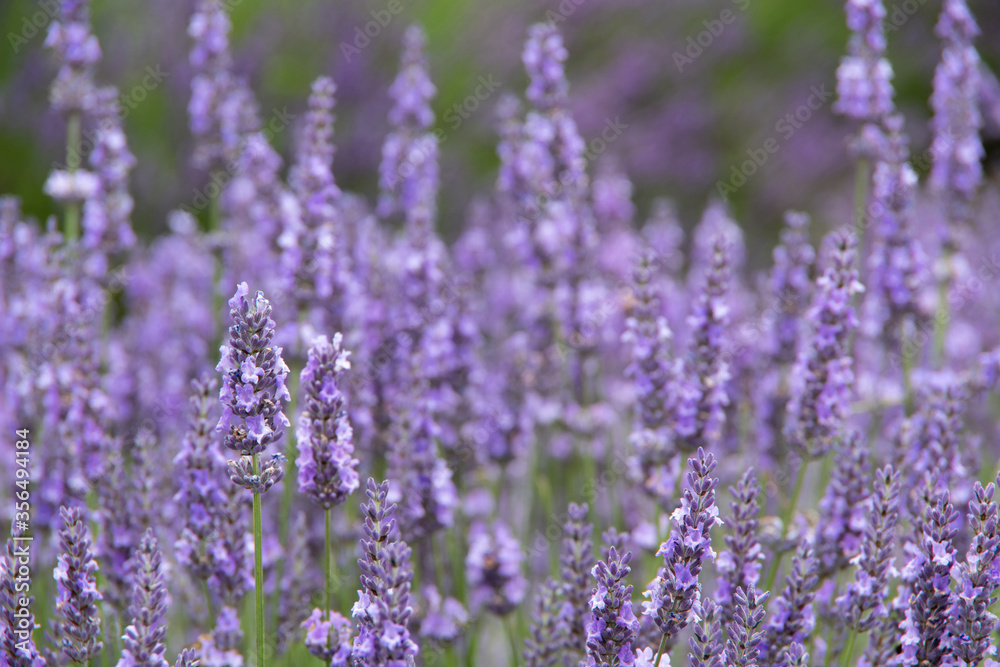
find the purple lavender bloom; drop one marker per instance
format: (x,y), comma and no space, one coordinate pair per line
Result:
(706,640)
(220,648)
(188,658)
(792,619)
(383,607)
(329,637)
(17,622)
(898,268)
(107,216)
(222,110)
(313,256)
(676,588)
(795,656)
(78,53)
(549,634)
(124,510)
(253,387)
(864,88)
(651,371)
(744,637)
(142,642)
(614,626)
(493,568)
(76,579)
(822,379)
(408,174)
(228,551)
(327,471)
(444,618)
(863,605)
(576,559)
(199,496)
(957,148)
(739,564)
(790,284)
(700,407)
(844,507)
(977,581)
(933,438)
(929,610)
(543,57)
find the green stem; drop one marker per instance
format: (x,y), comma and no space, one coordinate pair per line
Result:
(258,563)
(73,159)
(860,201)
(907,371)
(512,635)
(659,651)
(786,522)
(849,652)
(941,319)
(329,561)
(208,603)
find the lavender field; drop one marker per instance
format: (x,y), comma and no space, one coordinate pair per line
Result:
(527,410)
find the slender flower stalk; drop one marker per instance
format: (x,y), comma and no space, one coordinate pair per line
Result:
(792,619)
(676,588)
(76,578)
(143,639)
(706,641)
(739,564)
(549,634)
(744,636)
(253,376)
(614,626)
(576,559)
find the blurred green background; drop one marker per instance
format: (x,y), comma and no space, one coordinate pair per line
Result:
(686,128)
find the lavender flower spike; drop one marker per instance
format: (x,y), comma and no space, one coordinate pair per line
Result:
(493,568)
(548,634)
(76,578)
(863,604)
(822,378)
(78,53)
(383,608)
(187,658)
(327,471)
(675,589)
(614,627)
(706,641)
(744,637)
(703,399)
(143,639)
(957,147)
(977,580)
(739,565)
(864,88)
(253,386)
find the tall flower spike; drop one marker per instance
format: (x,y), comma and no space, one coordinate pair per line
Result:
(977,581)
(790,284)
(576,558)
(78,53)
(864,602)
(739,564)
(898,268)
(142,642)
(957,147)
(822,378)
(548,634)
(493,569)
(864,88)
(744,637)
(702,392)
(844,507)
(199,496)
(926,637)
(76,579)
(706,640)
(383,607)
(17,622)
(253,387)
(408,174)
(650,370)
(327,471)
(673,592)
(543,57)
(614,627)
(792,619)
